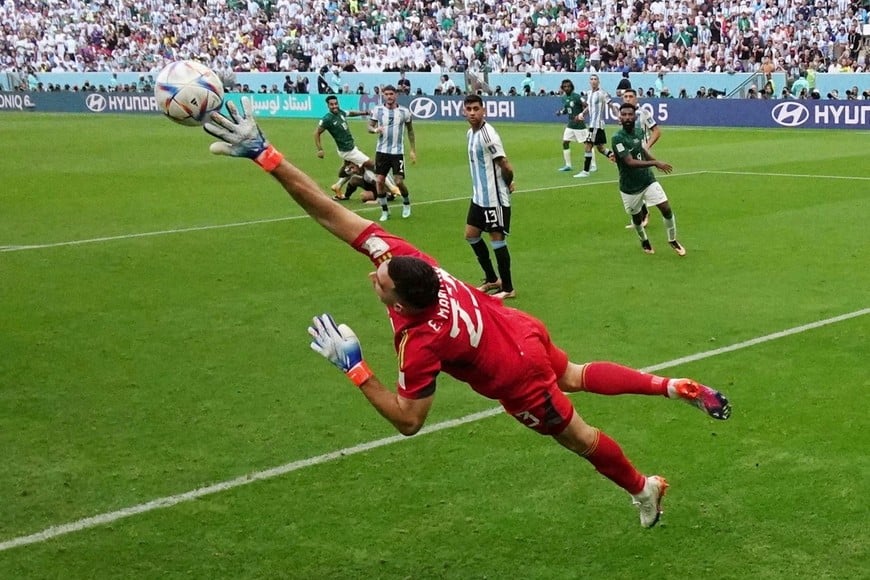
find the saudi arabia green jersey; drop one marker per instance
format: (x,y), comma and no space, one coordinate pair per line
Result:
(631,179)
(336,124)
(573,105)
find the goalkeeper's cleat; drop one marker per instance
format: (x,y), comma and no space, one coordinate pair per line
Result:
(340,197)
(649,500)
(647,247)
(385,215)
(505,295)
(490,286)
(406,210)
(678,248)
(708,400)
(566,168)
(336,189)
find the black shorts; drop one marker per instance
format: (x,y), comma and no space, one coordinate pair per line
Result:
(489,219)
(596,137)
(387,162)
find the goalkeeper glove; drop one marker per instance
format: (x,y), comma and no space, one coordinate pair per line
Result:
(241,137)
(340,346)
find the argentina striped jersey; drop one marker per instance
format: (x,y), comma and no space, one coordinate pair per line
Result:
(489,188)
(598,102)
(392,122)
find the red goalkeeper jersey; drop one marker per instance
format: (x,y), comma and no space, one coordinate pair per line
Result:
(500,352)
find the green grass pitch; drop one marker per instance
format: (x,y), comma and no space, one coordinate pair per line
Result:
(152,342)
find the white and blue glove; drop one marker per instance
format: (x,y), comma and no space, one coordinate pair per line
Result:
(241,137)
(340,346)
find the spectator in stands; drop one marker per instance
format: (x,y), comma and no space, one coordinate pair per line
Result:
(404,85)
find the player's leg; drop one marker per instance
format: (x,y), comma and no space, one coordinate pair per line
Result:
(601,145)
(397,167)
(474,225)
(344,174)
(567,137)
(498,233)
(391,188)
(540,404)
(382,168)
(644,221)
(608,459)
(634,206)
(587,155)
(352,185)
(655,195)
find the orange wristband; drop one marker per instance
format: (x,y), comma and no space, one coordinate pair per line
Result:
(269,159)
(360,373)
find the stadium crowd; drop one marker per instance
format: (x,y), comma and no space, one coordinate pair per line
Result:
(799,38)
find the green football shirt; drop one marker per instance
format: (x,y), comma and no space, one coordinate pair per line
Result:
(573,105)
(336,124)
(631,179)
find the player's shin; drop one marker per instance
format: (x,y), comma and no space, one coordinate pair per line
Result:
(608,459)
(671,227)
(607,378)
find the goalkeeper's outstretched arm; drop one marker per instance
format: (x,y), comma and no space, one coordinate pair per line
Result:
(241,137)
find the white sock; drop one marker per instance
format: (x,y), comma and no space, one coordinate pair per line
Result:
(566,154)
(671,227)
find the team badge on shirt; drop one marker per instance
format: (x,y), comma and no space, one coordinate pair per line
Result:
(377,249)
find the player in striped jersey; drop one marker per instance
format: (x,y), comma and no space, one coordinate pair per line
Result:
(597,103)
(651,134)
(389,121)
(492,181)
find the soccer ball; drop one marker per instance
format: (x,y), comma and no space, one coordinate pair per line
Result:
(187,92)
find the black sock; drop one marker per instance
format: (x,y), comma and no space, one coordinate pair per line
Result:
(481,250)
(503,259)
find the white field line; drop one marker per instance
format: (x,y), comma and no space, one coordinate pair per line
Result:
(795,175)
(165,502)
(19,248)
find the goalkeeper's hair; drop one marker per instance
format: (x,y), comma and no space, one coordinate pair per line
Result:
(416,281)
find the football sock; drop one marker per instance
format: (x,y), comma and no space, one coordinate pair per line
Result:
(587,161)
(641,231)
(503,259)
(671,227)
(566,155)
(607,378)
(607,458)
(382,200)
(482,253)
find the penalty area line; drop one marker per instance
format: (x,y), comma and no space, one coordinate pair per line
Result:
(169,501)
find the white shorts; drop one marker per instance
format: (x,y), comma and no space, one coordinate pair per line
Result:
(354,156)
(652,195)
(578,135)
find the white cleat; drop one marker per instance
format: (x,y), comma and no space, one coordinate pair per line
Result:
(385,215)
(649,500)
(582,174)
(406,210)
(593,169)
